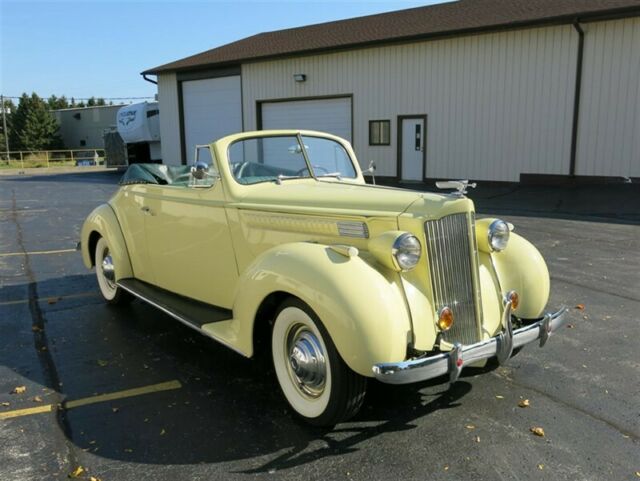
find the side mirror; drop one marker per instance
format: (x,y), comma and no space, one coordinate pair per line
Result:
(371,171)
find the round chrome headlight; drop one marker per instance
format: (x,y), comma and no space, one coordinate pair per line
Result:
(406,251)
(498,235)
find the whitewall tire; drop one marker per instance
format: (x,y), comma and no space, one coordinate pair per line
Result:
(314,379)
(105,273)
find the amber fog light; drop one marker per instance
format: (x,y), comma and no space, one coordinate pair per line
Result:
(445,318)
(514,298)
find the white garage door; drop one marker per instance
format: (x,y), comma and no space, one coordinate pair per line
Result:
(212,108)
(326,115)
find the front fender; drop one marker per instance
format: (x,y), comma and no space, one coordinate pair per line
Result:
(519,267)
(103,222)
(362,308)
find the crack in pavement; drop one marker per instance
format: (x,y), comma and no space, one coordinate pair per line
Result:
(41,342)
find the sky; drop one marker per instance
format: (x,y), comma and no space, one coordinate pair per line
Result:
(98,48)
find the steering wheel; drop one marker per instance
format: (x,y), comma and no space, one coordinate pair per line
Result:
(315,168)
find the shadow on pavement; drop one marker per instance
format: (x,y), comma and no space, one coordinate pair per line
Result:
(231,405)
(108,177)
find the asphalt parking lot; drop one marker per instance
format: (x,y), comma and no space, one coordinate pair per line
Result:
(129,394)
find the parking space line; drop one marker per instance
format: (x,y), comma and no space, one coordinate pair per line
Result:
(32,253)
(26,412)
(47,298)
(139,391)
(100,398)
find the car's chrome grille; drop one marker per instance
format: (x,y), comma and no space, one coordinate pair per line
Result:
(453,265)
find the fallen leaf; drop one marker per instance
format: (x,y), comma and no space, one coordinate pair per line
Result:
(115,410)
(76,473)
(524,403)
(477,439)
(37,399)
(5,404)
(541,466)
(638,474)
(93,478)
(36,329)
(470,426)
(446,467)
(163,432)
(102,363)
(580,307)
(570,326)
(499,397)
(538,431)
(52,300)
(19,390)
(128,450)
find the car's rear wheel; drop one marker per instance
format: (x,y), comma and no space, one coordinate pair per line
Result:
(106,275)
(314,379)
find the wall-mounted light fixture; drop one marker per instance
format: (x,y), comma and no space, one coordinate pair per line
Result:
(299,77)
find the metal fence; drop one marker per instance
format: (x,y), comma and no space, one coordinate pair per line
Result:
(51,158)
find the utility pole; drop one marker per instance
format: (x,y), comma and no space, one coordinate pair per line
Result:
(4,126)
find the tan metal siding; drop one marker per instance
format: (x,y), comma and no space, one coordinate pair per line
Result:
(609,133)
(498,104)
(169,118)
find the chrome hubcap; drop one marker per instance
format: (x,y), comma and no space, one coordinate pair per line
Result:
(307,364)
(108,270)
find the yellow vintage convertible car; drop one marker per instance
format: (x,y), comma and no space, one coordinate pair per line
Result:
(278,238)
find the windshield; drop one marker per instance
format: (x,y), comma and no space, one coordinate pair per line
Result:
(262,159)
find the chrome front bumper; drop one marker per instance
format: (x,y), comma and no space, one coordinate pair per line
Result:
(452,362)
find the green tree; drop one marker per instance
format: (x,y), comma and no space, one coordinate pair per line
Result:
(34,128)
(56,103)
(91,102)
(100,101)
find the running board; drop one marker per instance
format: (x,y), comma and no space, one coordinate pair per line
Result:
(194,314)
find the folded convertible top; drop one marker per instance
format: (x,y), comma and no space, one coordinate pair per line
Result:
(155,174)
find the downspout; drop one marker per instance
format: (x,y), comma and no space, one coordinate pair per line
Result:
(576,98)
(144,76)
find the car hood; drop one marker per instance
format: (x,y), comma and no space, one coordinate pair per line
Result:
(325,197)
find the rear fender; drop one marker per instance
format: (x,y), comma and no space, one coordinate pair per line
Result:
(103,222)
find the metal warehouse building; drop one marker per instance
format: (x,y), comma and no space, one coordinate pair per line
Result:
(480,89)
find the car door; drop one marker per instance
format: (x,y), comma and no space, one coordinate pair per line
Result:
(188,241)
(131,206)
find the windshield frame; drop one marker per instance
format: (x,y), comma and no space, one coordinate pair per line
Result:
(298,136)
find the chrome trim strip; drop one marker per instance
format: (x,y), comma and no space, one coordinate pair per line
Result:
(452,362)
(178,317)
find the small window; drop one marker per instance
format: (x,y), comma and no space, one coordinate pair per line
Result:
(379,132)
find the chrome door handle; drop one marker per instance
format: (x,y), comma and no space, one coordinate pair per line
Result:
(146,210)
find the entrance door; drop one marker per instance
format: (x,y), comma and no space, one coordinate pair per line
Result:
(412,135)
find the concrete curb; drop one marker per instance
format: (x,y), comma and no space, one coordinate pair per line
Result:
(56,170)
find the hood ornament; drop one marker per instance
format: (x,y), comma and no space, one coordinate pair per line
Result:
(461,186)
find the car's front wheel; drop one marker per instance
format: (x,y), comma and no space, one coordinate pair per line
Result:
(106,275)
(314,379)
